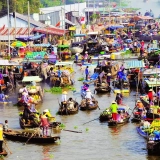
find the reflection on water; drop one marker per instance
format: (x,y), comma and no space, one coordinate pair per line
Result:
(96,142)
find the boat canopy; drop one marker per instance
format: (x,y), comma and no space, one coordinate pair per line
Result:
(63,63)
(134,64)
(79,35)
(8,63)
(153,83)
(30,38)
(32,78)
(42,45)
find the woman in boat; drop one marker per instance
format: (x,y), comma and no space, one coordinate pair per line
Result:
(70,104)
(114,108)
(83,89)
(150,95)
(89,94)
(109,78)
(64,100)
(140,106)
(119,98)
(44,124)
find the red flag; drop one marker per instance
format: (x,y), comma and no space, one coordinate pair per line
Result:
(58,24)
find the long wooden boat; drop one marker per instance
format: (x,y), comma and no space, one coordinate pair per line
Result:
(85,105)
(24,136)
(112,123)
(142,132)
(34,124)
(4,153)
(68,111)
(102,89)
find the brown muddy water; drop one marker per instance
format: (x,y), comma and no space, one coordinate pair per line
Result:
(96,142)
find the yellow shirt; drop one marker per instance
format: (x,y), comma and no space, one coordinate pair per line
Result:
(1,134)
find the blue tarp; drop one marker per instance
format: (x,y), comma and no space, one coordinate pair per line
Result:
(115,27)
(121,75)
(30,38)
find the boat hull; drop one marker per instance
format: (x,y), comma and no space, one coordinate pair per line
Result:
(112,123)
(22,138)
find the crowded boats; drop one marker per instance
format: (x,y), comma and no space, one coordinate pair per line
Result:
(113,62)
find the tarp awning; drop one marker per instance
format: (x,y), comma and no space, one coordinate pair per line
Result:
(8,63)
(42,45)
(63,63)
(31,78)
(152,83)
(30,38)
(79,35)
(134,64)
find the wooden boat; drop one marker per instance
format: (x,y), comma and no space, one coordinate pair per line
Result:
(67,110)
(102,88)
(105,116)
(85,104)
(24,136)
(136,117)
(122,111)
(116,123)
(153,146)
(4,153)
(142,132)
(35,123)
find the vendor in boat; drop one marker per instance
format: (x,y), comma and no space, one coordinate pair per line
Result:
(119,98)
(44,124)
(89,94)
(90,59)
(150,95)
(109,78)
(140,106)
(114,108)
(70,104)
(27,113)
(76,57)
(64,100)
(24,98)
(101,76)
(1,137)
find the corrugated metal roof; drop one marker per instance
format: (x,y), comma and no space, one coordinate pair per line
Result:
(32,21)
(134,64)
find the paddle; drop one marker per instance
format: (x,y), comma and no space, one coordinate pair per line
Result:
(7,146)
(71,131)
(90,121)
(31,137)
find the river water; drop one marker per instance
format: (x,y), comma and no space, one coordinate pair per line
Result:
(96,142)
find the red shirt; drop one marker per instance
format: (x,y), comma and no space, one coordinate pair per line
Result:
(150,95)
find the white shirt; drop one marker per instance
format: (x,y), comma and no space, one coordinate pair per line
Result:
(88,95)
(64,98)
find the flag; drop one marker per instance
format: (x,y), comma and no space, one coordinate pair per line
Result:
(58,24)
(1,29)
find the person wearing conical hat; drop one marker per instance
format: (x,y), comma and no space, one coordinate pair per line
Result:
(64,99)
(88,94)
(140,106)
(114,109)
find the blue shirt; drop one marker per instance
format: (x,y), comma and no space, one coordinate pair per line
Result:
(59,73)
(86,71)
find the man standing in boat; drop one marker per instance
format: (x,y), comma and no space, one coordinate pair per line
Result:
(114,108)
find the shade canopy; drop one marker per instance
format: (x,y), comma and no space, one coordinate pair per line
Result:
(18,44)
(134,64)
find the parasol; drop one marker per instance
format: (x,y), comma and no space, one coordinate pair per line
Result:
(18,44)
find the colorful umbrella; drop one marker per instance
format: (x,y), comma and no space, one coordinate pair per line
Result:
(18,44)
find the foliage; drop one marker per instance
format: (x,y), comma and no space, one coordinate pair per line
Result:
(127,52)
(54,90)
(81,79)
(62,126)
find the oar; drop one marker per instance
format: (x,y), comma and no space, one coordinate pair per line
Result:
(31,137)
(90,121)
(71,131)
(7,147)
